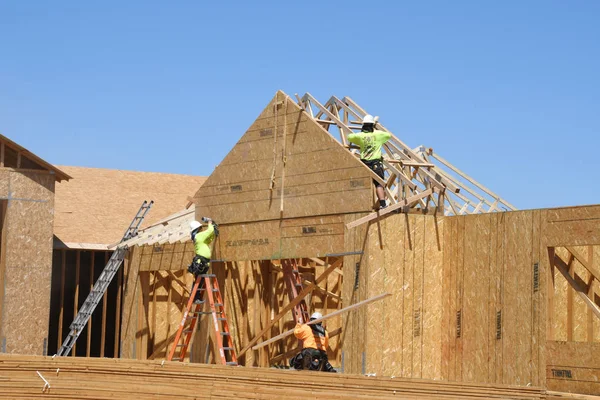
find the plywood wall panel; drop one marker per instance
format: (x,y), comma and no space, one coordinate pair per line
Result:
(431,315)
(393,306)
(575,226)
(292,155)
(409,295)
(4,183)
(417,310)
(376,275)
(294,238)
(27,266)
(573,367)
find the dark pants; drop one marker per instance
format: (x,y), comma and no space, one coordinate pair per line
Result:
(377,167)
(312,360)
(199,266)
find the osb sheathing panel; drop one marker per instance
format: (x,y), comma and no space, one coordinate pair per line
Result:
(4,182)
(293,238)
(573,367)
(400,335)
(352,330)
(166,257)
(27,263)
(575,226)
(488,268)
(284,151)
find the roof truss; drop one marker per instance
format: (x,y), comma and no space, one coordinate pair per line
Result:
(409,173)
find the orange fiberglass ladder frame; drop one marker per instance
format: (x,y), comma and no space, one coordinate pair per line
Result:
(209,290)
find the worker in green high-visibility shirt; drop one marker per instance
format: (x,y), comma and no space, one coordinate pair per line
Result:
(202,246)
(370,142)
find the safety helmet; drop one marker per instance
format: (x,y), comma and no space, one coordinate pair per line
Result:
(195,225)
(368,119)
(316,315)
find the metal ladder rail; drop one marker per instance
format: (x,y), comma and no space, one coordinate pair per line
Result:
(101,285)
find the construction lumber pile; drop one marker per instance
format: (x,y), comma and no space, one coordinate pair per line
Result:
(30,377)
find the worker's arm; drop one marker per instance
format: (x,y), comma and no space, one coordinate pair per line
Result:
(354,138)
(206,236)
(382,136)
(300,331)
(326,342)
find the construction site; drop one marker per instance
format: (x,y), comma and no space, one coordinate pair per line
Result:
(449,292)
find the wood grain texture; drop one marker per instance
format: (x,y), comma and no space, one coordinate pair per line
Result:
(121,379)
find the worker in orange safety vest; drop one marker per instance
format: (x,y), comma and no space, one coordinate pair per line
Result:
(315,341)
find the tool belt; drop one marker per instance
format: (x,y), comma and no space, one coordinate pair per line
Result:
(309,359)
(199,265)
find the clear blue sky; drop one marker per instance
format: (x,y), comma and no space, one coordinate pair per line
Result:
(508,91)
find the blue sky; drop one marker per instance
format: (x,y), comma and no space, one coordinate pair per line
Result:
(507,91)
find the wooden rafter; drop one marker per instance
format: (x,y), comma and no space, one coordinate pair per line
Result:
(408,171)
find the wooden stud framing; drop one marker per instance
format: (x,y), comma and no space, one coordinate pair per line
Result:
(1,155)
(63,254)
(89,325)
(76,298)
(104,304)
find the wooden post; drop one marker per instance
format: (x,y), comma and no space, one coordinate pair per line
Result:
(19,159)
(1,154)
(76,301)
(118,311)
(104,302)
(62,293)
(89,327)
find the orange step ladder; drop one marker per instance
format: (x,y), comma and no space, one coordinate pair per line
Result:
(209,290)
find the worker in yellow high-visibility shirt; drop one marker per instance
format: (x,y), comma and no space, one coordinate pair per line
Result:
(202,241)
(315,341)
(370,142)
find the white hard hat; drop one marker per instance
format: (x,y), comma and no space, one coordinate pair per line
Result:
(368,119)
(195,225)
(316,315)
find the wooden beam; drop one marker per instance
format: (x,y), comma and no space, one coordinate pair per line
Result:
(118,311)
(291,305)
(103,327)
(19,159)
(1,154)
(76,299)
(325,317)
(471,180)
(62,295)
(324,291)
(389,209)
(564,270)
(89,325)
(583,261)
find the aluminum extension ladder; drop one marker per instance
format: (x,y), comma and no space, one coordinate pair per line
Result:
(104,280)
(209,290)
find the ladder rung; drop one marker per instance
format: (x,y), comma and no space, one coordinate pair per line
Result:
(221,319)
(227,348)
(218,305)
(231,363)
(225,333)
(175,359)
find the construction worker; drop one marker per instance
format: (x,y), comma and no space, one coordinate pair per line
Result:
(202,240)
(315,341)
(370,142)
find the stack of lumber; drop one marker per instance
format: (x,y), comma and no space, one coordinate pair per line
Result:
(102,378)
